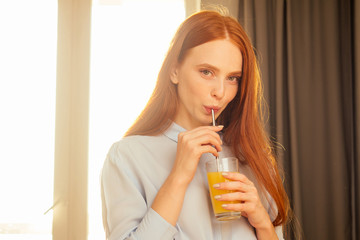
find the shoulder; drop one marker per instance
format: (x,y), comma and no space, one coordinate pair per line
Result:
(137,146)
(130,144)
(136,156)
(126,155)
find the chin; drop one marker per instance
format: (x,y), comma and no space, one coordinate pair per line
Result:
(207,123)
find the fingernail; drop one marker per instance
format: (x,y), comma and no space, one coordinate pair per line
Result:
(217,196)
(224,205)
(216,185)
(224,173)
(220,126)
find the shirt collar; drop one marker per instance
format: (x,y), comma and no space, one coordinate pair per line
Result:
(173,131)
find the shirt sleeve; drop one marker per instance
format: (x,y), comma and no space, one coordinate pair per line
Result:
(273,211)
(125,211)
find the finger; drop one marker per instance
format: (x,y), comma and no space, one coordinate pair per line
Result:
(197,151)
(199,134)
(237,196)
(238,207)
(207,139)
(236,176)
(209,149)
(206,131)
(236,186)
(212,128)
(199,130)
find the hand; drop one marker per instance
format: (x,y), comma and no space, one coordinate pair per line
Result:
(249,204)
(191,145)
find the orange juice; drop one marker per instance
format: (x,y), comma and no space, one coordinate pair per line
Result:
(213,178)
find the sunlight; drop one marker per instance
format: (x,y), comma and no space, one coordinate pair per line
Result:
(27,103)
(129,40)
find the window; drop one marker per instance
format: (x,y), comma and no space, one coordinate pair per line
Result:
(129,40)
(28,32)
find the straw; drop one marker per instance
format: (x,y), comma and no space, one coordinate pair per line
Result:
(214,124)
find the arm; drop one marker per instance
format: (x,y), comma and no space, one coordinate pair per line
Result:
(266,232)
(191,145)
(169,200)
(125,212)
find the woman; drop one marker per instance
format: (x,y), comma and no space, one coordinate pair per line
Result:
(153,181)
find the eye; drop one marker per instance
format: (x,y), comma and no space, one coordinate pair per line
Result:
(235,78)
(206,72)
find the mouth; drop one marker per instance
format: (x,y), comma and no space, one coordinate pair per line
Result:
(208,109)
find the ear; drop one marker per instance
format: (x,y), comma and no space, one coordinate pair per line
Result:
(174,75)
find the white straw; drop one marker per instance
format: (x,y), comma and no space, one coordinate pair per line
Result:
(213,117)
(214,124)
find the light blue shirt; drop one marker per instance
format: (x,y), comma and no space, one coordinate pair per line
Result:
(133,172)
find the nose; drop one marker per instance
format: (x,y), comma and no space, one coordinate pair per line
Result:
(218,89)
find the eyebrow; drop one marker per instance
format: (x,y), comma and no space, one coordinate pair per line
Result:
(217,69)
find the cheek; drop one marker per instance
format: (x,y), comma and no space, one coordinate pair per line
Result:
(187,91)
(232,93)
(190,86)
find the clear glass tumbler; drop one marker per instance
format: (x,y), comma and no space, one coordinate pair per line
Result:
(214,169)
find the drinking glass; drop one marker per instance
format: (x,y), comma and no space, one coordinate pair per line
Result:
(214,169)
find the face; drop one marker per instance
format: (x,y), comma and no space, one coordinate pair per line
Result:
(207,79)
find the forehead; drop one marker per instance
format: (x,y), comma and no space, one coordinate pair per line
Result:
(222,54)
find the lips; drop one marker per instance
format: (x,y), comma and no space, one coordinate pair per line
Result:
(208,109)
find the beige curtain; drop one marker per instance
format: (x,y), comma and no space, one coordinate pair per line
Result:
(72,121)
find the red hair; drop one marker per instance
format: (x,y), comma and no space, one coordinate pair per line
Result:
(243,127)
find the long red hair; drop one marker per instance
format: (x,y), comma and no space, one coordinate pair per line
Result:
(243,127)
